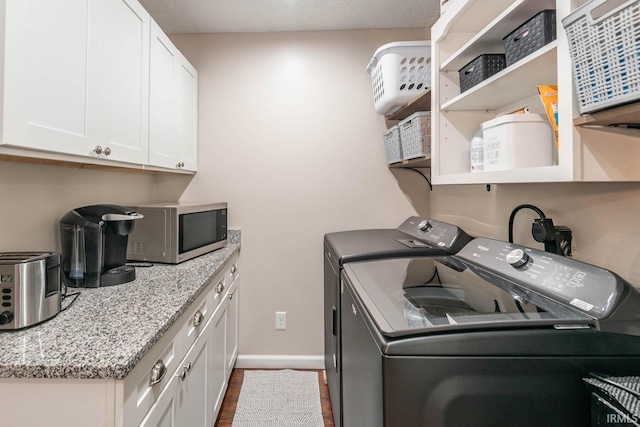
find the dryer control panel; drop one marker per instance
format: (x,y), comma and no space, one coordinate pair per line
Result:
(590,289)
(430,232)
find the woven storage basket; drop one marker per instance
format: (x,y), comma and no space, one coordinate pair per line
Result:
(399,73)
(481,68)
(415,135)
(605,53)
(530,36)
(392,145)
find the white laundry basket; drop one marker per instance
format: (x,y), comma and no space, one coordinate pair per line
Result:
(399,72)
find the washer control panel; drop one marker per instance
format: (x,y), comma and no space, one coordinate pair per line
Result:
(588,288)
(435,233)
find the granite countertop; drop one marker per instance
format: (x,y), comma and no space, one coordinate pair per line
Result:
(107,331)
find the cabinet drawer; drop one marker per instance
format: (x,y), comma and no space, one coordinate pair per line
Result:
(197,317)
(222,283)
(232,272)
(145,383)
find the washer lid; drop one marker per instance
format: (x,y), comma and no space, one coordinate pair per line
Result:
(439,294)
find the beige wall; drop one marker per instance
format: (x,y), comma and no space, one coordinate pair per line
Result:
(35,197)
(289,137)
(604,217)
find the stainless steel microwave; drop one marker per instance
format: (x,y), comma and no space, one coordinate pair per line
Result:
(173,233)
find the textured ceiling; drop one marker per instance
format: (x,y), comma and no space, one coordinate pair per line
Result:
(233,16)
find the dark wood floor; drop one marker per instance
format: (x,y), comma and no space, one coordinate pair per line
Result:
(225,418)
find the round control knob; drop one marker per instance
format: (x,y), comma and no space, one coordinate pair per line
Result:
(424,225)
(517,258)
(6,317)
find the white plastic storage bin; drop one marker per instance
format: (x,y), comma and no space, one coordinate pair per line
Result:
(516,141)
(392,145)
(400,72)
(415,135)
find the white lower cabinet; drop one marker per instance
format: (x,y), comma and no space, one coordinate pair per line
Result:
(183,402)
(192,395)
(219,377)
(233,301)
(180,382)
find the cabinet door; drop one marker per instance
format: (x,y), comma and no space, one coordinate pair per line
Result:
(173,106)
(193,401)
(162,137)
(164,413)
(125,80)
(51,60)
(186,114)
(217,362)
(231,346)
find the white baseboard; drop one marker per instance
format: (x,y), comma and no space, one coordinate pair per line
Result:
(250,361)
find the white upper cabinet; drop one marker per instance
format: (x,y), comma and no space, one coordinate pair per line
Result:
(172,106)
(473,27)
(91,78)
(51,58)
(125,80)
(186,99)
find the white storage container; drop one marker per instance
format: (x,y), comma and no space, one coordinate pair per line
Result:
(392,145)
(604,43)
(516,141)
(400,72)
(415,135)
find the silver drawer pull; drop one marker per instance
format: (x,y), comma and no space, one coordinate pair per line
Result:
(230,295)
(220,287)
(198,318)
(233,269)
(158,372)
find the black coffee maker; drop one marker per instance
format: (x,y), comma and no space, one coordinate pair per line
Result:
(94,245)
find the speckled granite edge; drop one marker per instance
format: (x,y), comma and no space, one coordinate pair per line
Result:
(108,331)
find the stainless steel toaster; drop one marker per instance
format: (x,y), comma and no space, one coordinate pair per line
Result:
(30,290)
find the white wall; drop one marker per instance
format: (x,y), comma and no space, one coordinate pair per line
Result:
(35,197)
(289,137)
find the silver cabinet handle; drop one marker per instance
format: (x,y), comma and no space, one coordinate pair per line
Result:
(158,372)
(183,374)
(107,151)
(233,269)
(98,150)
(219,287)
(198,318)
(185,370)
(230,295)
(353,309)
(178,165)
(181,164)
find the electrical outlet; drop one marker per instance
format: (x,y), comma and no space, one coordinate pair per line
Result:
(281,320)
